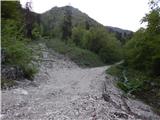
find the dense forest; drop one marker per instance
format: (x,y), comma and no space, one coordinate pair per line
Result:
(85,41)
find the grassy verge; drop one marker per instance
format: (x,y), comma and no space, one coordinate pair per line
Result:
(138,84)
(81,57)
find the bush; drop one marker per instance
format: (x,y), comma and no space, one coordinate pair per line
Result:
(142,52)
(129,80)
(15,46)
(105,45)
(30,71)
(77,35)
(37,31)
(99,41)
(80,36)
(115,70)
(135,81)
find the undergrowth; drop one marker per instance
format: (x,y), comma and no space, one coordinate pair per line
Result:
(137,83)
(81,57)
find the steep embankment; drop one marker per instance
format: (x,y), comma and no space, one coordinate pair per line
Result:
(61,90)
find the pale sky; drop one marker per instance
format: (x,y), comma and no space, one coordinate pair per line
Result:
(125,14)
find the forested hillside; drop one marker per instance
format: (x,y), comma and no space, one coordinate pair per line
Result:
(74,27)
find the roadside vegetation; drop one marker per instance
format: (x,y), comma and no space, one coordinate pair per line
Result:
(16,54)
(140,73)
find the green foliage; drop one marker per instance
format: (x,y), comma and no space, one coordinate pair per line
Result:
(80,36)
(138,83)
(29,71)
(54,33)
(77,35)
(135,81)
(104,44)
(14,43)
(99,41)
(142,60)
(72,26)
(11,10)
(80,56)
(154,21)
(130,81)
(37,31)
(115,70)
(142,52)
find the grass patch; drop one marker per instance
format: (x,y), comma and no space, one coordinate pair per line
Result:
(81,57)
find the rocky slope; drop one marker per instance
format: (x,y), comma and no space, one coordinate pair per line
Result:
(121,34)
(63,91)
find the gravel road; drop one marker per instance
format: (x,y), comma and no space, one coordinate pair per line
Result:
(63,91)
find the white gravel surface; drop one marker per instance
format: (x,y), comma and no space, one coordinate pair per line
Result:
(63,91)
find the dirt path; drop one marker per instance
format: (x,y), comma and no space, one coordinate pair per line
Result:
(63,91)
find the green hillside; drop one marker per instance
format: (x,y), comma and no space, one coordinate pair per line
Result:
(82,31)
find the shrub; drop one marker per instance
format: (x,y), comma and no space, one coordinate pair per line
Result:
(37,31)
(105,45)
(30,71)
(142,52)
(77,35)
(99,41)
(15,46)
(129,80)
(80,36)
